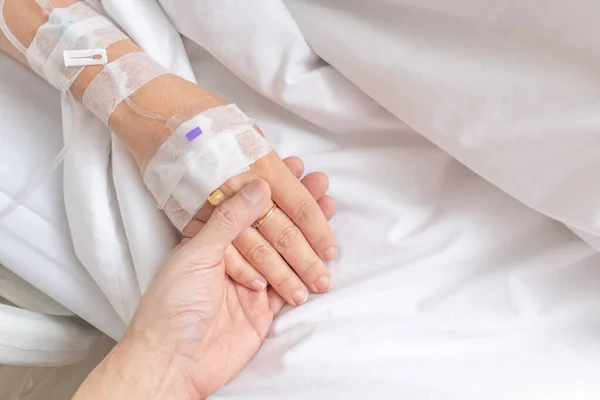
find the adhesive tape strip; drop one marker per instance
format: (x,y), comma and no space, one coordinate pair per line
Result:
(76,27)
(224,155)
(49,34)
(177,215)
(94,33)
(117,81)
(46,5)
(201,155)
(192,139)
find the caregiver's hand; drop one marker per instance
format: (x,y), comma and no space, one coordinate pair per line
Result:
(194,328)
(296,237)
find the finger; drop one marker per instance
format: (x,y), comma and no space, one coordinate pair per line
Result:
(262,256)
(205,212)
(193,227)
(296,201)
(328,206)
(253,307)
(316,183)
(241,271)
(295,165)
(289,241)
(276,302)
(236,265)
(232,217)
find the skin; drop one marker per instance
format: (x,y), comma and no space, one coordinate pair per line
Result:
(195,327)
(241,270)
(287,250)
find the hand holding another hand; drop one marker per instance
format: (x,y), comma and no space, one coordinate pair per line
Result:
(194,328)
(287,250)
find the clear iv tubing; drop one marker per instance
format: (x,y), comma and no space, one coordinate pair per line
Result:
(34,184)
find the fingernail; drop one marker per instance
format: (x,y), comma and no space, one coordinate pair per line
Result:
(254,191)
(258,285)
(323,283)
(330,253)
(216,197)
(300,297)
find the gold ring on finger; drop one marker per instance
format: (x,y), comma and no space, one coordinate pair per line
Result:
(265,217)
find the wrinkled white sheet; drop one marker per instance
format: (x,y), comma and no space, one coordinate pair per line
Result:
(446,287)
(510,88)
(35,240)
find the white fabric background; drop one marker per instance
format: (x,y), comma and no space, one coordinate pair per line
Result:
(35,241)
(447,287)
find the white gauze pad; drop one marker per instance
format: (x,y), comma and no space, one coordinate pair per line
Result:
(72,28)
(201,155)
(117,81)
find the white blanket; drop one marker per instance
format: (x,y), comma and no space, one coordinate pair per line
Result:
(447,287)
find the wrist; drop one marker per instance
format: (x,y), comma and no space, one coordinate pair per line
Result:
(156,373)
(168,97)
(142,127)
(133,370)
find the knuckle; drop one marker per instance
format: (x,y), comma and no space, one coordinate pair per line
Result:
(324,241)
(238,272)
(226,216)
(314,267)
(287,275)
(260,254)
(303,211)
(287,236)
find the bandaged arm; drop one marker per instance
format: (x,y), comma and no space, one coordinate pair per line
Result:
(140,101)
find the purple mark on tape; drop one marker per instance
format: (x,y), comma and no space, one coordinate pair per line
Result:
(193,134)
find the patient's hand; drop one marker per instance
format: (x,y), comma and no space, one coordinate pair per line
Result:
(288,248)
(296,235)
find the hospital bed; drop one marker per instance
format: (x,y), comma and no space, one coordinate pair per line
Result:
(457,277)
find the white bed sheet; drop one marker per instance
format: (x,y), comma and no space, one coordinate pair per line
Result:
(446,287)
(35,240)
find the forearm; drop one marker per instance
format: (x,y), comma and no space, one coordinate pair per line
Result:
(132,371)
(167,95)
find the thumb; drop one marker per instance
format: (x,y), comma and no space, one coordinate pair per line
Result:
(233,216)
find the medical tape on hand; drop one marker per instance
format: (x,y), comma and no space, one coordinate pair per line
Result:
(200,156)
(72,28)
(117,81)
